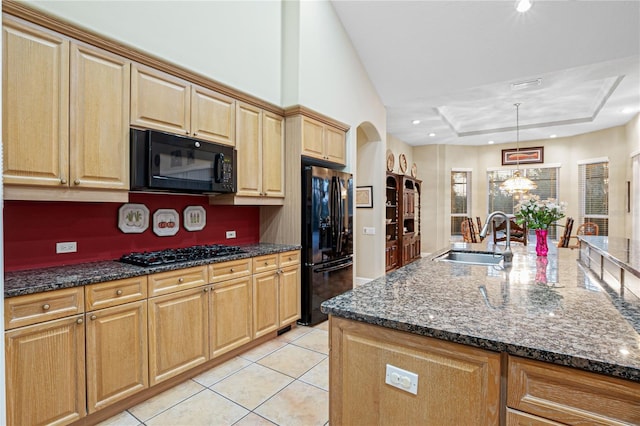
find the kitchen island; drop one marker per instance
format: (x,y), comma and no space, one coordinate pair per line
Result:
(491,334)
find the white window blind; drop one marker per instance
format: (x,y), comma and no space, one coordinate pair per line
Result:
(460,199)
(545,177)
(593,184)
(635,199)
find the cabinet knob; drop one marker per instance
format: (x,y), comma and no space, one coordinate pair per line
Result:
(118,292)
(186,132)
(93,317)
(63,181)
(180,280)
(290,258)
(45,307)
(79,321)
(231,270)
(266,263)
(76,182)
(206,289)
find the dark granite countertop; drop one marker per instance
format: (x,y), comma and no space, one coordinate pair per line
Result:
(55,278)
(622,251)
(550,309)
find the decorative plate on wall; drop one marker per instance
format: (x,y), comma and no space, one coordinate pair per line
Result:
(414,170)
(133,218)
(390,160)
(195,218)
(403,163)
(166,222)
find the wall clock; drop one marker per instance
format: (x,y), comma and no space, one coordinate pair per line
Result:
(403,163)
(390,160)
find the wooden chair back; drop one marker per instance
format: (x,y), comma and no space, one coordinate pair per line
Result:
(479,227)
(588,228)
(518,232)
(468,231)
(566,235)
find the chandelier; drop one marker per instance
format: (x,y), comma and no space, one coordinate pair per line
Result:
(518,184)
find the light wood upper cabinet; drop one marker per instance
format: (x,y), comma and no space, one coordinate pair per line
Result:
(213,116)
(178,333)
(35,100)
(99,136)
(45,375)
(111,333)
(65,118)
(323,142)
(230,315)
(159,100)
(260,158)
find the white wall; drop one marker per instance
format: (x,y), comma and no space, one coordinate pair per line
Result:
(237,43)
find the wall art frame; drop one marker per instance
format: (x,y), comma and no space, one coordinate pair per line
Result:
(364,197)
(514,156)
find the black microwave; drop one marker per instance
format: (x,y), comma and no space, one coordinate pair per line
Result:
(171,163)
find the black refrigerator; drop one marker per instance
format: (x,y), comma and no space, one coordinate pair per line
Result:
(327,239)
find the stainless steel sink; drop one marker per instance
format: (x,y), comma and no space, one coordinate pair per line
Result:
(470,257)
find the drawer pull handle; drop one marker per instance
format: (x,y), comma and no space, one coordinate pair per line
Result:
(231,270)
(266,263)
(205,289)
(76,182)
(118,292)
(93,317)
(45,307)
(63,181)
(79,321)
(180,280)
(290,258)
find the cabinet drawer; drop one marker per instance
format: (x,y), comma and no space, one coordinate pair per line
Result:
(34,308)
(226,270)
(264,263)
(571,396)
(181,279)
(289,258)
(517,418)
(112,293)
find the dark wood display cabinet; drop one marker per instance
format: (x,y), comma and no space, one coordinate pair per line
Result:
(402,220)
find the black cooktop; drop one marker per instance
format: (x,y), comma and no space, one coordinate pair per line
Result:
(163,257)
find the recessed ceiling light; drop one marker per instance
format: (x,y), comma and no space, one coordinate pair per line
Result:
(523,5)
(491,142)
(553,136)
(432,134)
(416,121)
(627,110)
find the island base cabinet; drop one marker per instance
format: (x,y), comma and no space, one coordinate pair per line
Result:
(45,373)
(117,363)
(571,396)
(457,385)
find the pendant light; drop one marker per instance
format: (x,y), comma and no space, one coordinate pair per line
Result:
(518,184)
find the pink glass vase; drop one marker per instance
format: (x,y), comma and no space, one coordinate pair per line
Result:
(541,242)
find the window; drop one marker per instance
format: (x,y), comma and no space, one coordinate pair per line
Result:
(460,199)
(546,178)
(593,184)
(634,200)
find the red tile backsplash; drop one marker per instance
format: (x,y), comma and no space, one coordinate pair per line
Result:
(32,229)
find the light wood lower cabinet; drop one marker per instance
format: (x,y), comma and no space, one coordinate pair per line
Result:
(230,315)
(45,374)
(289,295)
(457,384)
(265,303)
(117,362)
(571,396)
(178,333)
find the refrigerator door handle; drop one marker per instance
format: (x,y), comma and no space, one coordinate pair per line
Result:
(334,268)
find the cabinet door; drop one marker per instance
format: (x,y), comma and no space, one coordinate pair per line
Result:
(230,315)
(335,145)
(45,375)
(35,99)
(99,137)
(249,142)
(178,333)
(457,384)
(273,163)
(312,138)
(265,303)
(117,362)
(289,295)
(159,101)
(213,116)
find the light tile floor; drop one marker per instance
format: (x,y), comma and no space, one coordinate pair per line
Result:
(284,381)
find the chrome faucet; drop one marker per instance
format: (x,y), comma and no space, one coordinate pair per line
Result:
(507,255)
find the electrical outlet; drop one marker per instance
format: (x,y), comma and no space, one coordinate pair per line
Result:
(67,247)
(402,379)
(369,230)
(231,234)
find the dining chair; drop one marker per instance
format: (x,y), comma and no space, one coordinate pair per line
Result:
(518,232)
(566,235)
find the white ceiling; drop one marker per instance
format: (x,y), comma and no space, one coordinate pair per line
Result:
(451,64)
